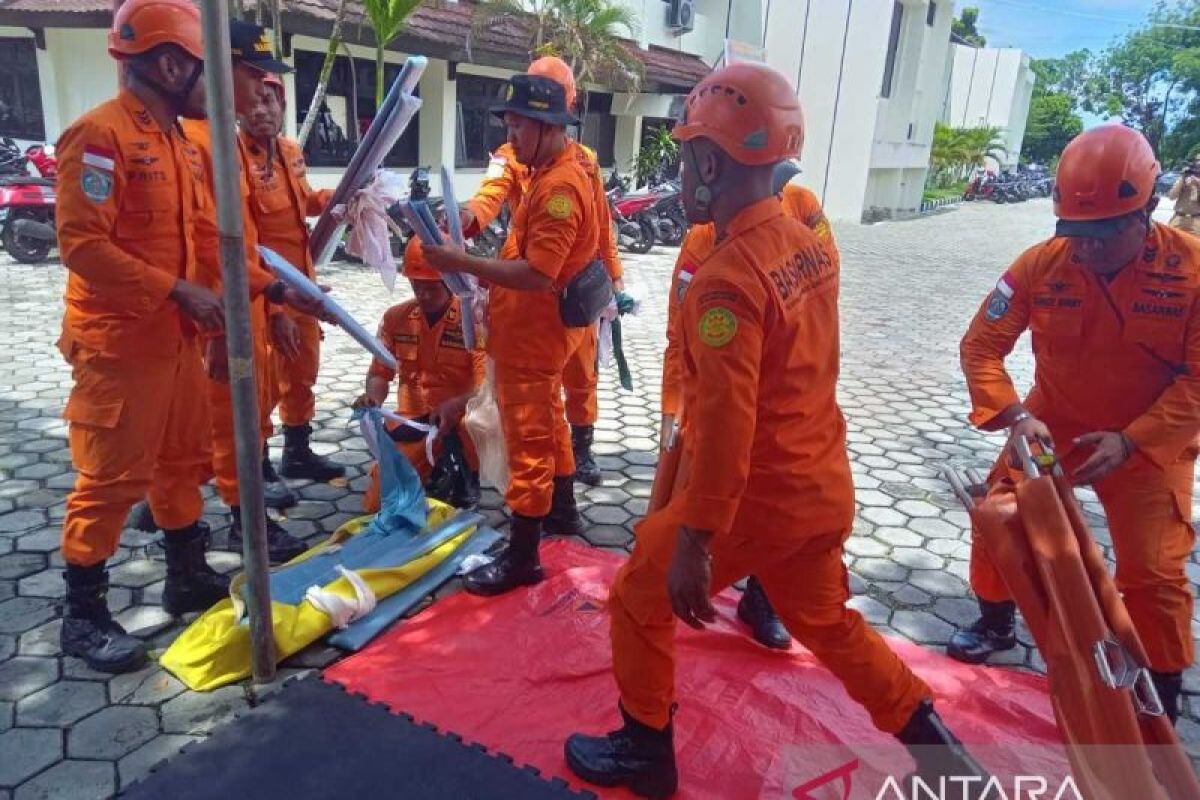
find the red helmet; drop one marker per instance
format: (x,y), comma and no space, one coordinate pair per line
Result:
(556,69)
(1104,173)
(141,25)
(748,110)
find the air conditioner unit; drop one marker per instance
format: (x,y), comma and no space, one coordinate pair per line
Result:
(681,17)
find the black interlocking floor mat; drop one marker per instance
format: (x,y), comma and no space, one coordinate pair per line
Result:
(314,740)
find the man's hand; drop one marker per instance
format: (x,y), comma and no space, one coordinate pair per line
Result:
(307,305)
(1030,428)
(689,578)
(445,258)
(216,360)
(618,285)
(449,414)
(200,304)
(1112,450)
(364,400)
(466,218)
(285,336)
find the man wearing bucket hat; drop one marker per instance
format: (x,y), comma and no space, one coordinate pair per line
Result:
(545,291)
(770,491)
(1111,303)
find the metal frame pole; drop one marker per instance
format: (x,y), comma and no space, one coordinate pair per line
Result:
(218,83)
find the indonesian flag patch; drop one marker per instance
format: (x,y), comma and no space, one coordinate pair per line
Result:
(96,180)
(1000,300)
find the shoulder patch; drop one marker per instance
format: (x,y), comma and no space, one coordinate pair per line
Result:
(718,326)
(1000,300)
(97,184)
(559,206)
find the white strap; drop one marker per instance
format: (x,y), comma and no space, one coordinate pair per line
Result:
(339,609)
(430,431)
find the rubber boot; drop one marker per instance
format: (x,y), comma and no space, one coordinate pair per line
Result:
(586,470)
(88,630)
(516,566)
(1169,686)
(299,461)
(192,585)
(755,610)
(994,631)
(938,753)
(140,518)
(636,756)
(563,519)
(276,493)
(281,545)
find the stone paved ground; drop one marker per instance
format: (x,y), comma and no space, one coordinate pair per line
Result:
(909,289)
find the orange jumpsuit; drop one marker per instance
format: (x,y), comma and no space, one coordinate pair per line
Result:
(435,366)
(506,181)
(224,452)
(138,413)
(799,204)
(759,355)
(556,228)
(281,202)
(1118,355)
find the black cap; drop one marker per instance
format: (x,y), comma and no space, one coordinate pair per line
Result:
(248,44)
(1088,228)
(536,97)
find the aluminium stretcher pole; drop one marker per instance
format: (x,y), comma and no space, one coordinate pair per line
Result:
(218,84)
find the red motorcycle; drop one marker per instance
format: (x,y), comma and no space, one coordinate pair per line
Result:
(27,229)
(634,220)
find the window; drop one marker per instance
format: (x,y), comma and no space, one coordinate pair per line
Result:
(931,13)
(350,96)
(889,66)
(600,127)
(20,92)
(479,131)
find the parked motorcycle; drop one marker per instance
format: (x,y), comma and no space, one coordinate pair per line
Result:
(27,229)
(669,217)
(633,220)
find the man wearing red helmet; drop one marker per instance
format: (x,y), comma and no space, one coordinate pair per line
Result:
(1111,303)
(769,490)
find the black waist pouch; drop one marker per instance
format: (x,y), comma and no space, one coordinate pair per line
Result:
(586,296)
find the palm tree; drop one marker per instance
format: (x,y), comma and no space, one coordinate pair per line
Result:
(335,38)
(956,151)
(387,19)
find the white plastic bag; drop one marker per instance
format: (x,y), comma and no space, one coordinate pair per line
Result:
(483,424)
(370,237)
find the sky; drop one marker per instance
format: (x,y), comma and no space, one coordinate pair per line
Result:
(1052,28)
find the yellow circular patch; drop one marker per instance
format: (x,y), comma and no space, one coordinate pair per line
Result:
(559,206)
(718,326)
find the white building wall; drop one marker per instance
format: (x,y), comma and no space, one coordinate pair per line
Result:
(991,86)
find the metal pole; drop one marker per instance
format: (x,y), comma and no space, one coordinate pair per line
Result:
(218,83)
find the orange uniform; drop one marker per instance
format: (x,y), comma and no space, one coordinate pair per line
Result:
(281,202)
(507,180)
(1119,355)
(435,366)
(758,339)
(556,228)
(224,453)
(128,193)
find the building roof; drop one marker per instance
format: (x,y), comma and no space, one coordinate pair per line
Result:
(436,28)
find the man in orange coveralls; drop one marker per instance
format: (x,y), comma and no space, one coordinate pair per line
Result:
(759,334)
(128,192)
(507,179)
(1116,341)
(438,374)
(555,235)
(281,202)
(800,204)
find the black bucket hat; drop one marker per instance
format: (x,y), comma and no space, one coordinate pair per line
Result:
(536,97)
(248,44)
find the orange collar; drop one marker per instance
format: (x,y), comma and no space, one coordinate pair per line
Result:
(754,215)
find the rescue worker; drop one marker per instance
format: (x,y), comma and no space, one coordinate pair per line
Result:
(127,196)
(506,181)
(554,237)
(282,201)
(1116,342)
(438,374)
(772,493)
(1186,194)
(800,204)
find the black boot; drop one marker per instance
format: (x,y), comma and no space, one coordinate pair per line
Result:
(938,752)
(1169,686)
(192,585)
(281,545)
(299,461)
(276,493)
(89,631)
(755,610)
(563,519)
(516,566)
(636,756)
(140,518)
(995,630)
(586,470)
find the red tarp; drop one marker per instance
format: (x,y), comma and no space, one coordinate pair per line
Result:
(521,672)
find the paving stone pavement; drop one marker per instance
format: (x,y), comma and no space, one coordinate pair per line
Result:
(909,290)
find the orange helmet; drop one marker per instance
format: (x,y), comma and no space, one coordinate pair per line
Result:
(141,25)
(748,110)
(1104,173)
(416,268)
(556,69)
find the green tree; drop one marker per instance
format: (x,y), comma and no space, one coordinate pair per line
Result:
(1052,123)
(966,27)
(957,151)
(335,38)
(658,151)
(387,19)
